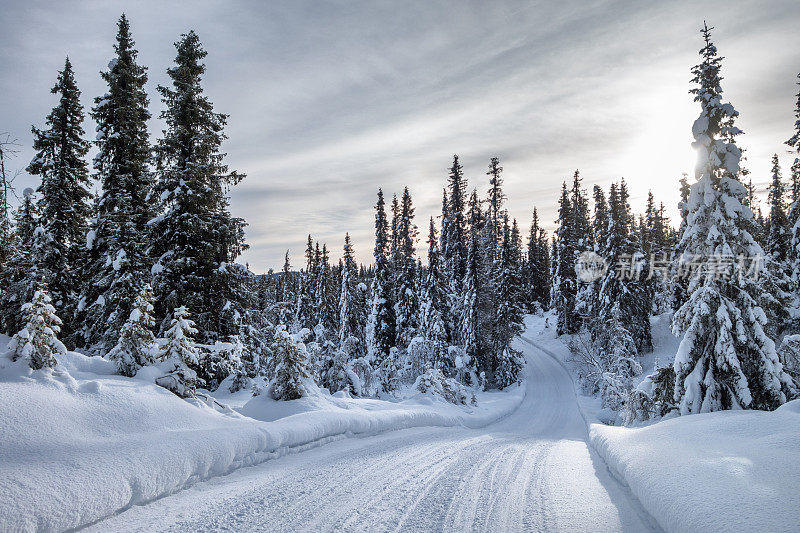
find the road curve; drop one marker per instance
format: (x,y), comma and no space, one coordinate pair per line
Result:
(532,471)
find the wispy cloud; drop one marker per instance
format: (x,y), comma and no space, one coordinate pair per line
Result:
(331,100)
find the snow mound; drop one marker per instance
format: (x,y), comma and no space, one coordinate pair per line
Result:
(723,471)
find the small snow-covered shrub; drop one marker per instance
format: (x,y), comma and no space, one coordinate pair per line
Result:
(136,343)
(38,340)
(178,353)
(434,382)
(291,369)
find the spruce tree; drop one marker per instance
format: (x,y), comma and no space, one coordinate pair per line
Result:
(794,210)
(118,264)
(180,355)
(64,195)
(38,340)
(195,240)
(20,275)
(538,264)
(679,282)
(572,239)
(624,289)
(779,236)
(350,318)
(380,330)
(406,303)
(136,343)
(434,306)
(506,362)
(725,359)
(454,242)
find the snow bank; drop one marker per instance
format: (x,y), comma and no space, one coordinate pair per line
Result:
(78,444)
(724,471)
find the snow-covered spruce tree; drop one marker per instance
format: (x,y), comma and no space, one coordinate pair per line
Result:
(627,292)
(538,267)
(621,367)
(434,306)
(779,235)
(572,238)
(380,329)
(406,297)
(118,264)
(37,341)
(725,359)
(304,304)
(21,273)
(506,362)
(325,311)
(474,288)
(136,344)
(794,209)
(350,319)
(454,240)
(179,355)
(195,240)
(64,195)
(291,367)
(7,147)
(679,282)
(588,295)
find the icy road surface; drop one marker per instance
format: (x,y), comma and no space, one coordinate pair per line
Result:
(532,471)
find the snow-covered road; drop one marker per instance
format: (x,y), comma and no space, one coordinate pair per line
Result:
(532,471)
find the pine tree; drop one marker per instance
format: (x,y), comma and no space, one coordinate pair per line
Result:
(725,359)
(38,340)
(118,263)
(380,330)
(134,349)
(179,355)
(406,303)
(63,194)
(195,240)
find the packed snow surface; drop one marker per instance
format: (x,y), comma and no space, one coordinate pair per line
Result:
(724,471)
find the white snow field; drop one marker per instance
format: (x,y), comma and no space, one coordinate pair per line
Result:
(531,471)
(79,449)
(78,444)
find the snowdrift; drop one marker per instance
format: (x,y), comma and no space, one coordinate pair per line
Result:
(724,471)
(78,444)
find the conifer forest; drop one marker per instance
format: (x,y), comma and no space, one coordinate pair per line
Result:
(477,344)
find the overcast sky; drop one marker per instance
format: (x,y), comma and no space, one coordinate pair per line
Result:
(330,100)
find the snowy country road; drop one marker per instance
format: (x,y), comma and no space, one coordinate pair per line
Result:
(532,471)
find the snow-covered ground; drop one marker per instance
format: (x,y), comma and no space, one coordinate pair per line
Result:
(82,447)
(78,444)
(724,471)
(531,471)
